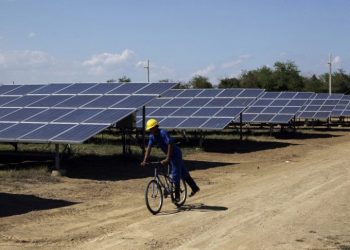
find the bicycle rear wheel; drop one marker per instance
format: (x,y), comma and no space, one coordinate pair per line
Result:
(154,197)
(183,194)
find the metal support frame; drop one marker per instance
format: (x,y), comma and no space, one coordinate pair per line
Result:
(143,131)
(57,157)
(240,126)
(271,129)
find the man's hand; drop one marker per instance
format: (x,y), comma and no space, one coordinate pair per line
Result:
(143,164)
(164,162)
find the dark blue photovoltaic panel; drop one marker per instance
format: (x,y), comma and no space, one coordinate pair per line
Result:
(45,133)
(190,93)
(110,116)
(148,111)
(279,102)
(134,101)
(79,115)
(263,117)
(216,123)
(254,109)
(287,95)
(49,115)
(8,88)
(101,88)
(321,115)
(290,110)
(197,102)
(155,88)
(296,103)
(163,112)
(312,108)
(247,117)
(210,92)
(172,122)
(24,89)
(230,93)
(207,112)
(304,95)
(177,102)
(194,122)
(326,108)
(6,111)
(105,101)
(21,114)
(51,88)
(158,102)
(240,102)
(185,112)
(271,95)
(317,102)
(331,102)
(7,99)
(18,130)
(79,133)
(272,110)
(172,93)
(263,102)
(76,88)
(77,101)
(24,101)
(219,102)
(50,101)
(281,118)
(307,114)
(128,88)
(229,112)
(4,125)
(251,93)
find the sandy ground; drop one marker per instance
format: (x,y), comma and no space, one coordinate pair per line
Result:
(294,195)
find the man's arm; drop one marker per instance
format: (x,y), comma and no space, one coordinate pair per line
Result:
(147,154)
(168,155)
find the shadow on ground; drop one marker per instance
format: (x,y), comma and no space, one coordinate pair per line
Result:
(16,204)
(237,146)
(200,207)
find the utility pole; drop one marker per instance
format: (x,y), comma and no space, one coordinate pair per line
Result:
(147,67)
(330,74)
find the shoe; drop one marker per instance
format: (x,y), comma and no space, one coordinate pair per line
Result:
(193,192)
(166,193)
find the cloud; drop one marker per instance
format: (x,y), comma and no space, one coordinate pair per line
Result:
(206,71)
(234,63)
(336,60)
(31,35)
(25,59)
(109,58)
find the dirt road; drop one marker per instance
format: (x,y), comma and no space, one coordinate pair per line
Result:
(292,196)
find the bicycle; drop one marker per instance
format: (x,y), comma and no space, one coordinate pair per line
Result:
(162,186)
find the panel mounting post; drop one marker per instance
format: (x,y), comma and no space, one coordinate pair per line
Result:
(143,131)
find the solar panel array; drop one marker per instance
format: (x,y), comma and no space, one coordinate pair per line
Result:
(342,108)
(199,108)
(275,107)
(69,113)
(320,106)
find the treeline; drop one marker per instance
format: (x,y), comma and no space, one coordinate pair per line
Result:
(284,76)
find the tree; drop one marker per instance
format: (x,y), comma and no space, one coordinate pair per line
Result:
(164,80)
(258,78)
(341,82)
(229,83)
(111,81)
(286,77)
(124,78)
(200,82)
(314,84)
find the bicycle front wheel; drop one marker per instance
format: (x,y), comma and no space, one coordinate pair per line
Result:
(154,197)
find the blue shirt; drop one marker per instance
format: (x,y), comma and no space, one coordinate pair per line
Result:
(163,140)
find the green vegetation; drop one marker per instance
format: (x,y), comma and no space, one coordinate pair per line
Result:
(284,76)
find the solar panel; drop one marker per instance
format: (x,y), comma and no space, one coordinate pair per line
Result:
(79,133)
(79,115)
(76,88)
(320,106)
(170,122)
(216,123)
(68,113)
(51,88)
(230,92)
(342,108)
(184,112)
(206,112)
(193,122)
(172,92)
(275,107)
(177,102)
(14,132)
(210,92)
(23,101)
(190,93)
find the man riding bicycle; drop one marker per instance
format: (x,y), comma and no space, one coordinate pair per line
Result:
(173,156)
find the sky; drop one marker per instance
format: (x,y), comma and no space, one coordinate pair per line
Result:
(98,40)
